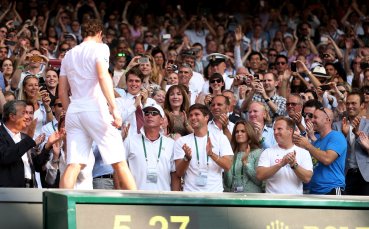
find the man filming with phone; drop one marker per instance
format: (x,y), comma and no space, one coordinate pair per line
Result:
(265,91)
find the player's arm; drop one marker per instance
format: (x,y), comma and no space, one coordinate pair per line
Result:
(64,91)
(106,84)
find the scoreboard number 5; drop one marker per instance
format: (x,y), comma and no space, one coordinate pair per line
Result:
(121,221)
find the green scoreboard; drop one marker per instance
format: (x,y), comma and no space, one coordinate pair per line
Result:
(124,210)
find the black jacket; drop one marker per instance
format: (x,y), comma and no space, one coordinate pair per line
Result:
(11,164)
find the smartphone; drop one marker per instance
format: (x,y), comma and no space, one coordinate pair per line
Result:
(143,60)
(256,76)
(325,87)
(166,36)
(55,63)
(324,40)
(293,66)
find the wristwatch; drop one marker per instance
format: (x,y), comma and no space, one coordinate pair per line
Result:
(295,166)
(267,100)
(185,158)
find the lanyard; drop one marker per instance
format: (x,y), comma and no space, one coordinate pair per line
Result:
(234,165)
(197,152)
(159,151)
(52,124)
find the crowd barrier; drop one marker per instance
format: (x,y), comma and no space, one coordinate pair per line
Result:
(34,208)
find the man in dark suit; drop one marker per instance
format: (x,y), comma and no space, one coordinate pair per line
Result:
(357,166)
(14,144)
(233,114)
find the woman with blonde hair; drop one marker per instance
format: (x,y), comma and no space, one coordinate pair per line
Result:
(30,91)
(247,150)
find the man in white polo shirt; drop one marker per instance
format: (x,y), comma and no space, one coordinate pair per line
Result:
(201,157)
(284,166)
(150,153)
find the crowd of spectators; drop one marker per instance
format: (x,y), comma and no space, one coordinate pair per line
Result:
(245,96)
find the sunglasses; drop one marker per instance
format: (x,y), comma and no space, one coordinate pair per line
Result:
(58,105)
(309,115)
(152,113)
(280,63)
(53,43)
(148,35)
(216,81)
(63,50)
(343,91)
(292,104)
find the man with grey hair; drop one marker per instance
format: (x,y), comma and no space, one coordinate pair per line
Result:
(14,144)
(185,74)
(294,111)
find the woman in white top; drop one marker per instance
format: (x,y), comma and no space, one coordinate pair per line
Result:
(30,91)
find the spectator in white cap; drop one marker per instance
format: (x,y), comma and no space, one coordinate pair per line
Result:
(150,153)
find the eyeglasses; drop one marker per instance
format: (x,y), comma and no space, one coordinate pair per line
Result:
(280,63)
(292,104)
(58,105)
(309,115)
(216,81)
(183,72)
(152,113)
(323,110)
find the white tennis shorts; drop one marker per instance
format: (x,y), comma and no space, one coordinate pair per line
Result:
(84,127)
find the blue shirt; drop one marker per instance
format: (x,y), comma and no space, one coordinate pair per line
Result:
(327,177)
(99,167)
(268,137)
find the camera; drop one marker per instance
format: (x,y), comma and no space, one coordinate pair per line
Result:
(166,36)
(325,87)
(293,67)
(174,67)
(364,65)
(143,60)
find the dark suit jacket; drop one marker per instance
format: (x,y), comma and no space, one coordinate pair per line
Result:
(234,117)
(362,157)
(11,164)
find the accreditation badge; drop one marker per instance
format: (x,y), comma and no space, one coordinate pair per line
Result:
(152,175)
(202,178)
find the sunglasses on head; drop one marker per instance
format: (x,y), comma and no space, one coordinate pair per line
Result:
(323,110)
(152,113)
(216,81)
